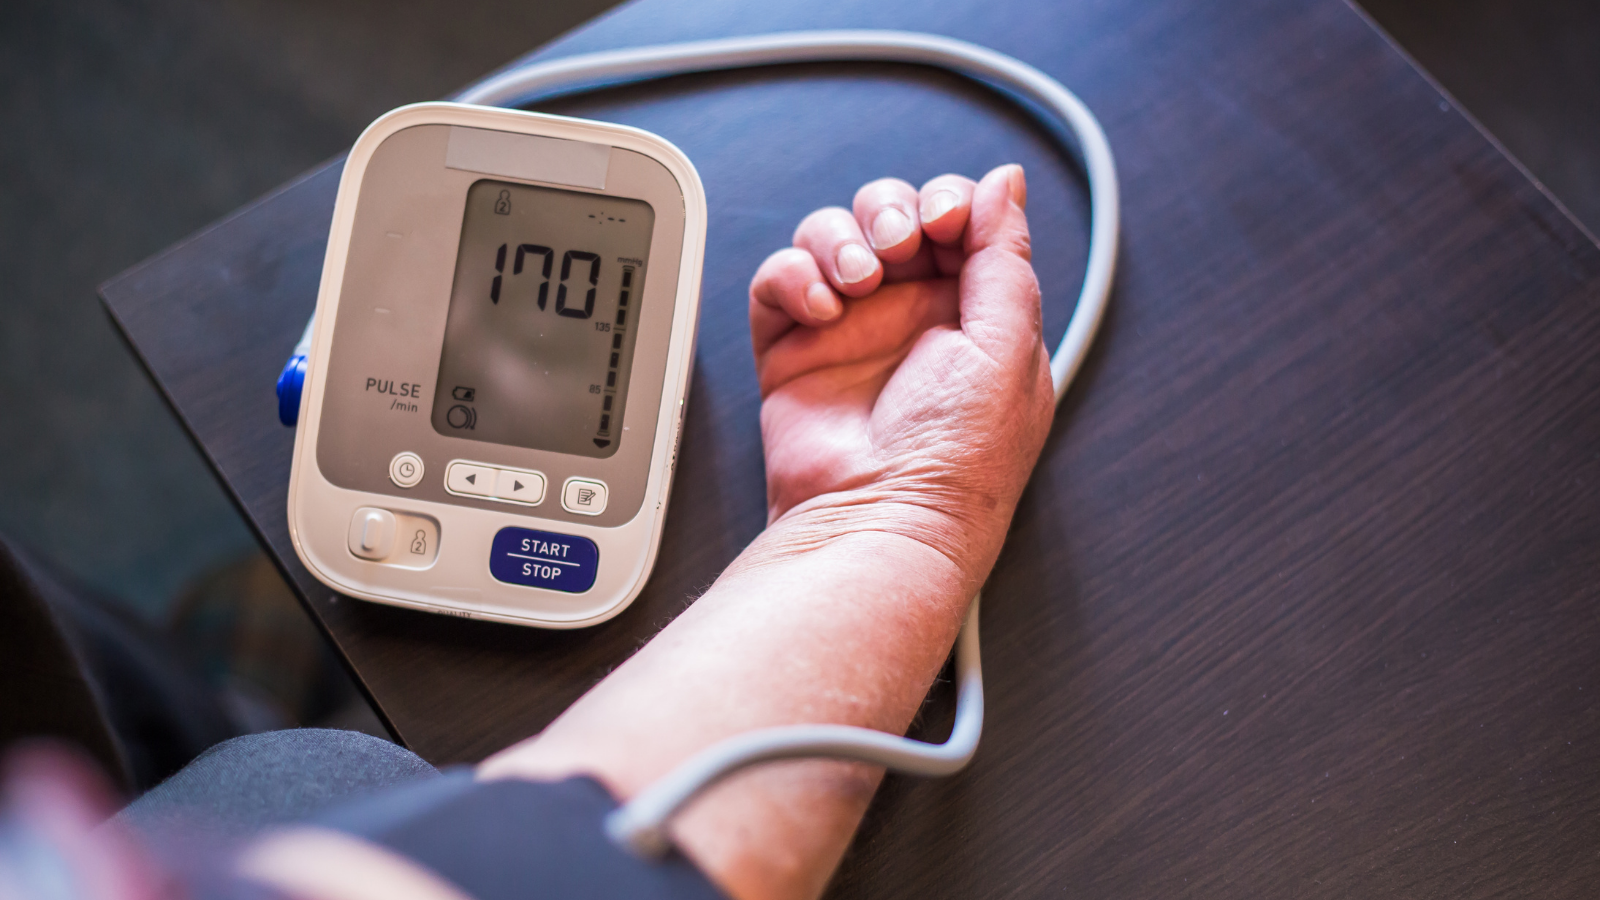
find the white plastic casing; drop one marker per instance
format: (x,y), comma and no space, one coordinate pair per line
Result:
(459,582)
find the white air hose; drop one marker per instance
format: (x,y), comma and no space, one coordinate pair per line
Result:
(640,824)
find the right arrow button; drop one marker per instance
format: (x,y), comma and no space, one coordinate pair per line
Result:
(519,487)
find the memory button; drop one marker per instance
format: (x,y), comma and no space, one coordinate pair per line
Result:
(584,496)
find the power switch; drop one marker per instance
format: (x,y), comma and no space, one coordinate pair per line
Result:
(372,533)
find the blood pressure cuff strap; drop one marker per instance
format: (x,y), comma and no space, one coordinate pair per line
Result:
(499,840)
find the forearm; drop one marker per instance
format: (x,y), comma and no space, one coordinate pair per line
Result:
(827,617)
(899,430)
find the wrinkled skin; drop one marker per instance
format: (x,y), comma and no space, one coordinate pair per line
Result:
(909,373)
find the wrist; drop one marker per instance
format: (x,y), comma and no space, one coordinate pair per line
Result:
(907,526)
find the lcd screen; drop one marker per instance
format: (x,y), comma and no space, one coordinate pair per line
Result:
(539,339)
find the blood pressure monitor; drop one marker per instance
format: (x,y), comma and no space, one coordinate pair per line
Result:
(501,355)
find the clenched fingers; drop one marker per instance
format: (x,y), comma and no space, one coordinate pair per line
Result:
(788,289)
(833,238)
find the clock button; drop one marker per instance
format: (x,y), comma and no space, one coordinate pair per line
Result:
(405,470)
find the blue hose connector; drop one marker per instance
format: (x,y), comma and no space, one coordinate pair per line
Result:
(293,377)
(290,381)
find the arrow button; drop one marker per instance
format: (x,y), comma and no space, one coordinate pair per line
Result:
(519,487)
(466,478)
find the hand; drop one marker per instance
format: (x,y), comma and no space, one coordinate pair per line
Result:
(910,379)
(906,394)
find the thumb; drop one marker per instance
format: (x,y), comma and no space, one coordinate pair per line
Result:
(998,218)
(999,292)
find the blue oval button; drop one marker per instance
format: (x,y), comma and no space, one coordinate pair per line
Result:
(543,559)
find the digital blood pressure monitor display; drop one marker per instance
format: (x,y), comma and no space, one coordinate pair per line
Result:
(539,338)
(499,365)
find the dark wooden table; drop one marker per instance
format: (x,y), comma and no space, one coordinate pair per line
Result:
(1302,600)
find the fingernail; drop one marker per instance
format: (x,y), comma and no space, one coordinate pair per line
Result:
(856,263)
(1018,182)
(940,203)
(890,228)
(820,303)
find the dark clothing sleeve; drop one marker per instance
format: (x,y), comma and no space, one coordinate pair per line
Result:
(495,840)
(499,840)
